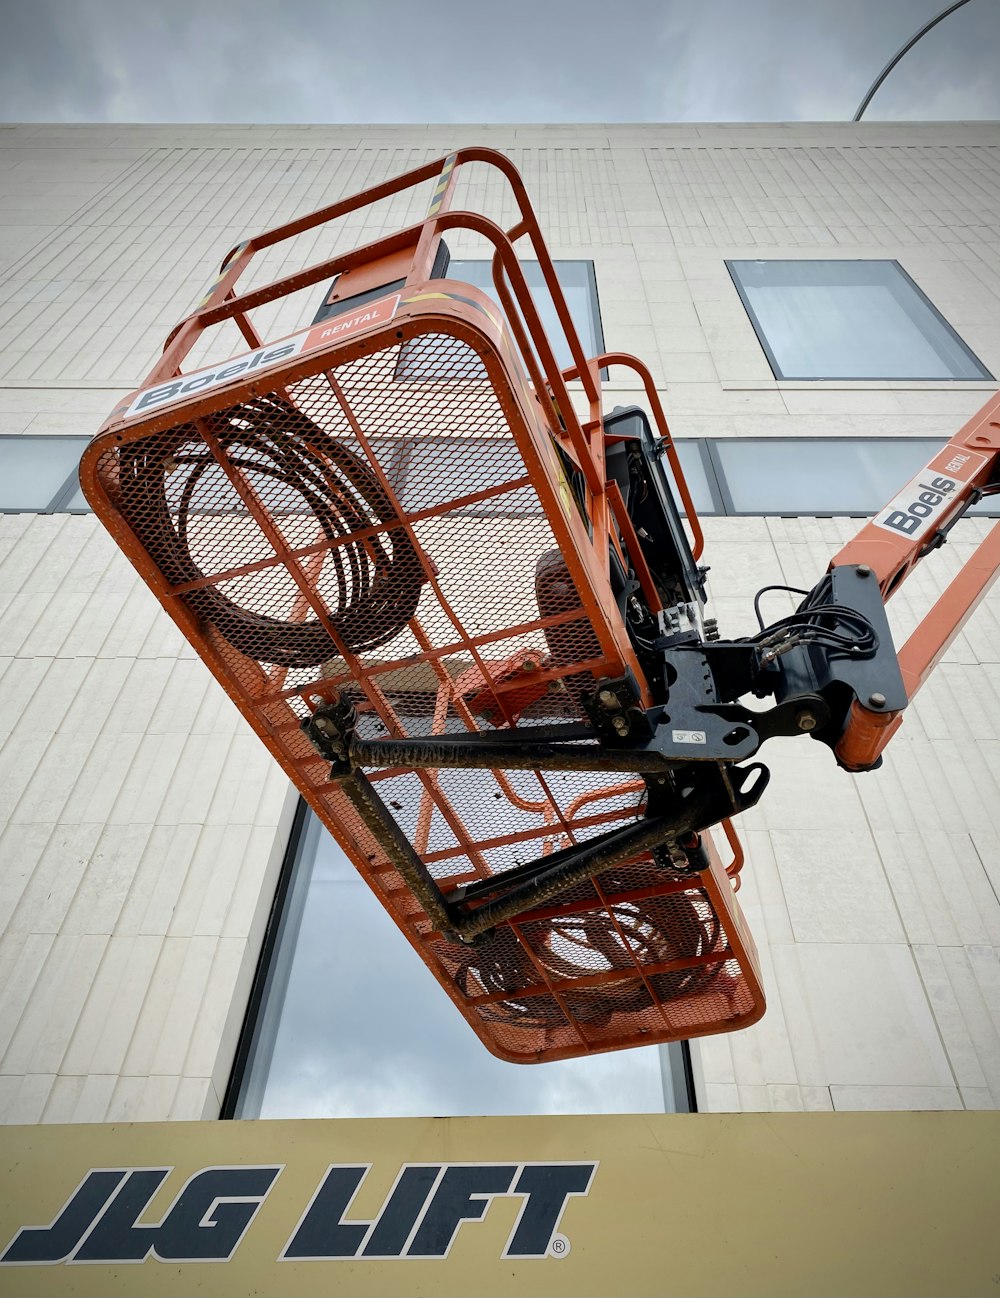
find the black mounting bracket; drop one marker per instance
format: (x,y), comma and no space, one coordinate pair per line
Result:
(687,748)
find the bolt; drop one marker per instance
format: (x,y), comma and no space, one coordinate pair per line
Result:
(609,698)
(876,700)
(863,570)
(805,720)
(621,726)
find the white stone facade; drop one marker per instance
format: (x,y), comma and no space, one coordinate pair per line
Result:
(143,824)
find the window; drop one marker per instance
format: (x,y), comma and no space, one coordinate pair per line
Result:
(40,474)
(817,475)
(579,286)
(726,475)
(849,320)
(328,1034)
(700,475)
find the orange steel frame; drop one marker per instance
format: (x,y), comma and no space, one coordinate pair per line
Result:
(893,557)
(540,408)
(410,254)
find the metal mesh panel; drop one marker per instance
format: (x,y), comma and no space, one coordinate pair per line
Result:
(372,530)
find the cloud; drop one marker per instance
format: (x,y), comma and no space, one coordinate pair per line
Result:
(452,61)
(366,1031)
(815,62)
(951,73)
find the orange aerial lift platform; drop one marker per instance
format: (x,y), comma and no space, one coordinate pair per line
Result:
(457,600)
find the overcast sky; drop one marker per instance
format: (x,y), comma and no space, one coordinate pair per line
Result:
(448,61)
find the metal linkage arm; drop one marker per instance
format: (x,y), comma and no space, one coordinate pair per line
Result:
(648,742)
(467,912)
(676,809)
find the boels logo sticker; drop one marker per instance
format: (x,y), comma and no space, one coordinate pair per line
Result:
(364,317)
(212,1212)
(920,505)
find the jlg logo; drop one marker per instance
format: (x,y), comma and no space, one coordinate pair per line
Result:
(428,1203)
(98,1223)
(419,1218)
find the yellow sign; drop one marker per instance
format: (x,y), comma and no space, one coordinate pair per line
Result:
(748,1204)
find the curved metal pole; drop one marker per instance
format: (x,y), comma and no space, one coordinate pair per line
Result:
(896,57)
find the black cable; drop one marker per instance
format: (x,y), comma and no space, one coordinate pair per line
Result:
(674,927)
(764,590)
(816,621)
(377,579)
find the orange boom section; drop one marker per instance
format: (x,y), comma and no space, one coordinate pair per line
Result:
(393,525)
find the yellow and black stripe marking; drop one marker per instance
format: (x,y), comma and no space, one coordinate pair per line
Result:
(494,317)
(442,185)
(222,273)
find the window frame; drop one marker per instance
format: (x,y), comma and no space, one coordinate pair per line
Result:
(590,287)
(707,449)
(983,377)
(281,914)
(68,488)
(717,489)
(710,449)
(271,974)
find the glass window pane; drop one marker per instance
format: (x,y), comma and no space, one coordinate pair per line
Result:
(849,320)
(354,1025)
(435,469)
(817,476)
(578,285)
(33,470)
(77,501)
(429,471)
(695,475)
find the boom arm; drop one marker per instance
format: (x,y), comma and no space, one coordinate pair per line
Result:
(916,521)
